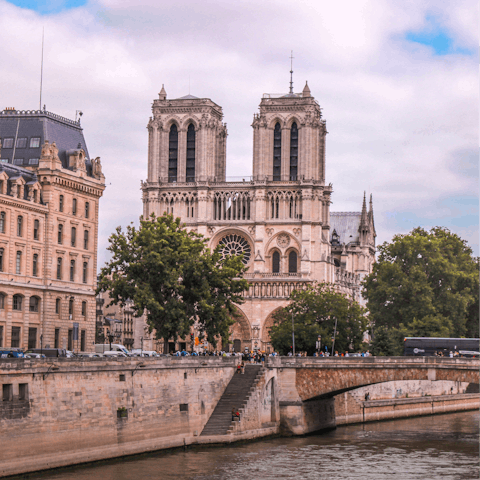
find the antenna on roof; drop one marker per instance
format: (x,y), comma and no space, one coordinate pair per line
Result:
(291,71)
(41,71)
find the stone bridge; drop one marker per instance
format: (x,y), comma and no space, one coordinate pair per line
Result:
(305,386)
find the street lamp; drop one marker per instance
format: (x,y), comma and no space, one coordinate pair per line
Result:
(334,335)
(293,335)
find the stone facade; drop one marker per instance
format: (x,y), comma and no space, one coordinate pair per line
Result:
(279,218)
(48,232)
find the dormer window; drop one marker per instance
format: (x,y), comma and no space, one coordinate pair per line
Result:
(18,161)
(35,142)
(7,143)
(22,142)
(33,161)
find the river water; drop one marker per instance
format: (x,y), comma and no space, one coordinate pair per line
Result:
(424,448)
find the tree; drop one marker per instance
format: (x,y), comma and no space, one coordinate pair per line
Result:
(171,275)
(384,343)
(423,284)
(314,312)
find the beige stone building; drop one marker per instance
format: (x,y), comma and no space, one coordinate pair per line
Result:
(279,218)
(49,200)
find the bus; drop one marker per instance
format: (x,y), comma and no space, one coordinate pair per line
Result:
(429,346)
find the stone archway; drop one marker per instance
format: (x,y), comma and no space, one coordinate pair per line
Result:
(240,333)
(267,325)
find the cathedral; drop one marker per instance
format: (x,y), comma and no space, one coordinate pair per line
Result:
(279,218)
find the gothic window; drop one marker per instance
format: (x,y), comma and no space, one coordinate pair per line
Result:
(35,265)
(2,222)
(17,302)
(87,209)
(36,229)
(59,268)
(276,262)
(74,206)
(191,153)
(18,263)
(277,152)
(60,203)
(60,234)
(74,236)
(85,239)
(172,154)
(72,270)
(84,273)
(293,152)
(234,244)
(19,226)
(292,262)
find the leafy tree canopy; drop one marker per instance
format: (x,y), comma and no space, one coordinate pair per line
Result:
(424,284)
(173,277)
(314,312)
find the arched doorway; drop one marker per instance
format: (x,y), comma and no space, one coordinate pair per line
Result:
(240,333)
(267,325)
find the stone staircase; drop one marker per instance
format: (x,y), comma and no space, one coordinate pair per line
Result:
(236,395)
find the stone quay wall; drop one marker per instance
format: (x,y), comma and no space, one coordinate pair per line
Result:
(60,412)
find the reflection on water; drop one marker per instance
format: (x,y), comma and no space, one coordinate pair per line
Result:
(427,448)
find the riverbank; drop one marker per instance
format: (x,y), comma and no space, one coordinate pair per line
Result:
(349,411)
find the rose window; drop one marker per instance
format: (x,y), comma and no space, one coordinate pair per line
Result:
(234,244)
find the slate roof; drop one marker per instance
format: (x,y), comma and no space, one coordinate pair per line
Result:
(67,135)
(346,225)
(188,97)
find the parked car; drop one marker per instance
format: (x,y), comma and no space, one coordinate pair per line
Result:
(112,353)
(11,352)
(89,355)
(49,352)
(106,347)
(34,355)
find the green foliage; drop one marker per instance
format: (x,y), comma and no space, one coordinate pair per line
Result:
(314,311)
(383,343)
(173,277)
(424,284)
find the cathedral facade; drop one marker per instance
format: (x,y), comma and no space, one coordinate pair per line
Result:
(279,219)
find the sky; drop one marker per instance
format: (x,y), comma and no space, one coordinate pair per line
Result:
(397,83)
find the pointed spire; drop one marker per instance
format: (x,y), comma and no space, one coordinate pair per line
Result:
(363,219)
(371,204)
(163,94)
(291,73)
(306,91)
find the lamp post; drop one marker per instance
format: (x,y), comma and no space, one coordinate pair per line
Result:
(334,335)
(293,335)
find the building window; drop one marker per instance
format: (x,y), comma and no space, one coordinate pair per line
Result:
(36,229)
(74,236)
(59,268)
(87,209)
(18,161)
(15,342)
(7,143)
(276,262)
(1,259)
(56,342)
(19,226)
(57,306)
(2,221)
(22,142)
(172,153)
(1,335)
(277,152)
(84,309)
(84,272)
(34,304)
(2,302)
(70,339)
(82,340)
(23,392)
(72,270)
(85,239)
(293,152)
(60,203)
(191,153)
(33,161)
(292,262)
(35,265)
(35,142)
(60,234)
(74,206)
(18,263)
(32,338)
(70,306)
(17,302)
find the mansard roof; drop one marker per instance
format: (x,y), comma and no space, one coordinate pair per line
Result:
(15,172)
(67,135)
(346,225)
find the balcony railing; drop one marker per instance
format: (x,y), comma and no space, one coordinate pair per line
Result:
(274,289)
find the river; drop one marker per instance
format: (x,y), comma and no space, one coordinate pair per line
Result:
(426,448)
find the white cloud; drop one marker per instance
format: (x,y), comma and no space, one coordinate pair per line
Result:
(403,124)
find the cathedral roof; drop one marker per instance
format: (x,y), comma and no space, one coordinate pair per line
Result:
(188,97)
(346,225)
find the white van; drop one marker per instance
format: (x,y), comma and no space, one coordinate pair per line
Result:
(105,347)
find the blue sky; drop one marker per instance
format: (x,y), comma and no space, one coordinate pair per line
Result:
(49,6)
